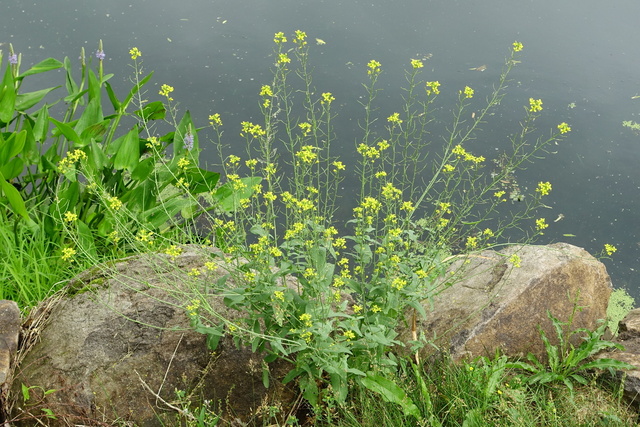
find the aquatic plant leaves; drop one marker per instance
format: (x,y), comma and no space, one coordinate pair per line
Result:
(41,67)
(25,101)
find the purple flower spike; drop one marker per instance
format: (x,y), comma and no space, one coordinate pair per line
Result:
(13,59)
(188,141)
(100,54)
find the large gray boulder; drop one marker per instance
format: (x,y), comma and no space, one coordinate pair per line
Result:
(120,343)
(493,305)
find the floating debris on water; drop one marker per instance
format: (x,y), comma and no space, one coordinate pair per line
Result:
(480,68)
(320,42)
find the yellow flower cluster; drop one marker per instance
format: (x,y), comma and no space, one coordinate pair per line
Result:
(541,224)
(66,164)
(544,188)
(472,242)
(283,58)
(215,120)
(564,128)
(517,46)
(416,63)
(460,152)
(114,203)
(305,127)
(327,98)
(165,90)
(374,67)
(183,163)
(610,249)
(468,92)
(253,130)
(300,38)
(433,87)
(301,205)
(279,38)
(338,166)
(70,216)
(67,254)
(192,309)
(390,192)
(135,53)
(515,260)
(535,105)
(394,118)
(173,251)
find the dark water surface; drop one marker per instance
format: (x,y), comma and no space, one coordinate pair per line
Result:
(582,57)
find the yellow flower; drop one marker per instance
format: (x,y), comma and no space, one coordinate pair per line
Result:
(338,166)
(183,163)
(306,320)
(215,120)
(517,46)
(357,308)
(283,58)
(374,67)
(375,308)
(448,168)
(70,216)
(394,118)
(564,128)
(266,91)
(279,295)
(610,249)
(544,188)
(433,87)
(468,92)
(472,242)
(535,105)
(307,155)
(515,260)
(173,251)
(135,53)
(165,90)
(541,224)
(407,206)
(349,335)
(279,38)
(114,203)
(416,63)
(194,272)
(327,98)
(300,37)
(67,254)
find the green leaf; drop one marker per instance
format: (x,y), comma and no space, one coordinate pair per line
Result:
(28,100)
(391,393)
(15,200)
(25,393)
(41,67)
(41,127)
(68,132)
(7,97)
(128,154)
(112,97)
(229,199)
(153,111)
(144,168)
(12,146)
(201,180)
(91,115)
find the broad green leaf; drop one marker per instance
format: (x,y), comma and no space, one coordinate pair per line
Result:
(12,146)
(96,157)
(185,125)
(94,87)
(144,168)
(27,100)
(91,115)
(13,168)
(85,239)
(41,128)
(7,97)
(112,97)
(41,67)
(201,180)
(68,132)
(72,87)
(15,200)
(152,111)
(128,154)
(391,392)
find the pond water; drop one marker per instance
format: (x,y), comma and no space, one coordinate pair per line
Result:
(579,57)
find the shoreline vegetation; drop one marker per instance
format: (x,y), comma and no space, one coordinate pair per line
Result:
(83,189)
